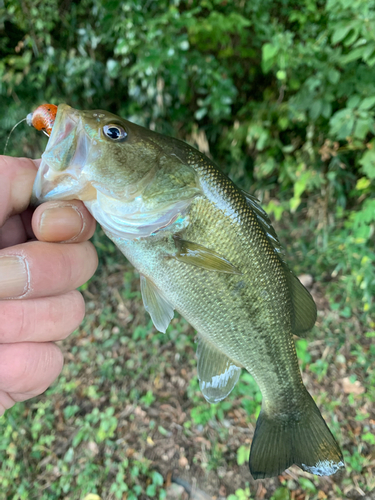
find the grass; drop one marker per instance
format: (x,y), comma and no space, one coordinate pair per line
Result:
(127,414)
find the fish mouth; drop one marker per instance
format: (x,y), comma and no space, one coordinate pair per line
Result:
(61,173)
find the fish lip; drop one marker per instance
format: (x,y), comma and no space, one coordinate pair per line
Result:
(67,147)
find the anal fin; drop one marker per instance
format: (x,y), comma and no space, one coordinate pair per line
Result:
(216,372)
(158,307)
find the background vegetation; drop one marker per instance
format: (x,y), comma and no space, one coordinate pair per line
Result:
(281,94)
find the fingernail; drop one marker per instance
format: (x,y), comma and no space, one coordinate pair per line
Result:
(13,276)
(60,224)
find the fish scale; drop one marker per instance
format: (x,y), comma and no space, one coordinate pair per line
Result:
(207,249)
(195,293)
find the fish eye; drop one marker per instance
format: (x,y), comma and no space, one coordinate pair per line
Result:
(114,132)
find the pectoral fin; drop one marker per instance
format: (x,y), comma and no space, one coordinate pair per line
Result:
(216,372)
(158,307)
(200,256)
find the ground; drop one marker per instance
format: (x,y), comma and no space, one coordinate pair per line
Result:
(126,418)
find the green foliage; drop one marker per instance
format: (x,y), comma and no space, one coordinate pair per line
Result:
(241,494)
(283,92)
(243,453)
(281,494)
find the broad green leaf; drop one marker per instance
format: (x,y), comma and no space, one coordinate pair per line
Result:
(269,52)
(333,75)
(341,32)
(316,109)
(327,109)
(367,103)
(342,123)
(353,101)
(243,454)
(368,162)
(151,490)
(362,128)
(352,56)
(363,183)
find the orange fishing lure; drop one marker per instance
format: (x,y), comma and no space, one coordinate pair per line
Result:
(43,118)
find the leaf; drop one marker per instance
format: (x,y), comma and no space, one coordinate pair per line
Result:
(342,123)
(327,109)
(368,162)
(243,453)
(333,75)
(157,478)
(269,50)
(367,103)
(362,128)
(363,183)
(341,33)
(151,490)
(200,113)
(281,493)
(353,101)
(316,109)
(352,56)
(368,437)
(307,484)
(352,387)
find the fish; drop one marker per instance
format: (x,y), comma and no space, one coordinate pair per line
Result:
(206,249)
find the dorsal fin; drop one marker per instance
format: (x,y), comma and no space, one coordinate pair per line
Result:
(304,307)
(265,222)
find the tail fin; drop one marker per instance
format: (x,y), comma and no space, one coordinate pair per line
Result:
(283,440)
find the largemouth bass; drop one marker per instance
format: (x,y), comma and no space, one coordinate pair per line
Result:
(208,250)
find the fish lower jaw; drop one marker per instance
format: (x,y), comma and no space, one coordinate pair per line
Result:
(51,191)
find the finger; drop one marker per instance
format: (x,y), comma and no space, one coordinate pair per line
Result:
(26,216)
(6,402)
(28,368)
(67,221)
(38,269)
(17,177)
(40,320)
(12,232)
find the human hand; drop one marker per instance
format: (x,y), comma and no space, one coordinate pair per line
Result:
(39,303)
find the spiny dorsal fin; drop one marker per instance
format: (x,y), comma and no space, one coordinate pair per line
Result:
(265,222)
(217,373)
(200,256)
(158,307)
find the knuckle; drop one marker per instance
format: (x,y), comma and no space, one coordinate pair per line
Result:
(29,368)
